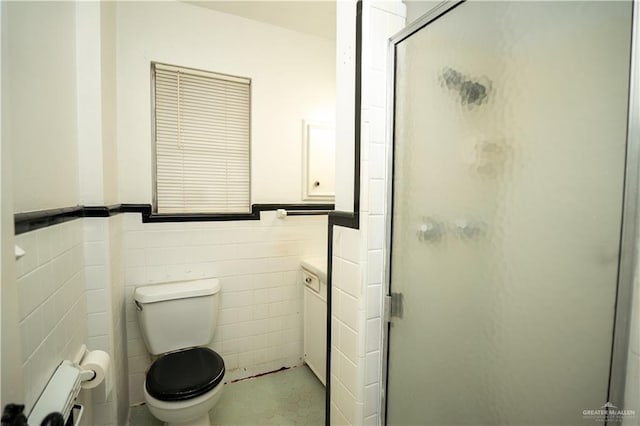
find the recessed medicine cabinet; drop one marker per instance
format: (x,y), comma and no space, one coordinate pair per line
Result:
(318,170)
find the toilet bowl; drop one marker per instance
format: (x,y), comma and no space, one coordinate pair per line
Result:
(194,411)
(186,380)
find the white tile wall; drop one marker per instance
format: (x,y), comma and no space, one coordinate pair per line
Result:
(52,306)
(258,264)
(104,275)
(116,254)
(99,302)
(357,325)
(347,338)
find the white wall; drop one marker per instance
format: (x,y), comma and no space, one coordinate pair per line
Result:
(11,357)
(293,78)
(89,105)
(417,8)
(356,336)
(95,69)
(3,216)
(40,135)
(108,102)
(345,103)
(258,264)
(54,61)
(41,107)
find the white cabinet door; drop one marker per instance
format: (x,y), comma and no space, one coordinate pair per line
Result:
(315,333)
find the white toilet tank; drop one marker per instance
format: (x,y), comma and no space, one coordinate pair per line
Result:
(178,315)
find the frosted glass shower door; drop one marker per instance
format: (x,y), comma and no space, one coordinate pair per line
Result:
(508,169)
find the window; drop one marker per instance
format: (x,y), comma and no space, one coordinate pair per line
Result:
(202,136)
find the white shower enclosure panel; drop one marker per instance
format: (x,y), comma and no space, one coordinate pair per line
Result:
(508,176)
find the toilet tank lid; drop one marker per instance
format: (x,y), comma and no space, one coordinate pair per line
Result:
(177,290)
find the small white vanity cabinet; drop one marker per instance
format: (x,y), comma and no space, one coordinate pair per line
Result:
(314,279)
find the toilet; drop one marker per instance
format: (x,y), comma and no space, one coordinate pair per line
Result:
(177,320)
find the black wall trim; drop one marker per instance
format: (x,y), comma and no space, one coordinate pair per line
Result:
(342,218)
(292,210)
(30,221)
(101,211)
(144,209)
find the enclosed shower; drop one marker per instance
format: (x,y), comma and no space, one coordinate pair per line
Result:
(505,230)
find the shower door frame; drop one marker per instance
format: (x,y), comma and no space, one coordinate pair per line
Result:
(627,265)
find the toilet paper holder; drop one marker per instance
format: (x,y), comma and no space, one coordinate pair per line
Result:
(86,371)
(58,397)
(94,369)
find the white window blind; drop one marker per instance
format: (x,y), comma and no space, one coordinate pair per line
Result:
(202,131)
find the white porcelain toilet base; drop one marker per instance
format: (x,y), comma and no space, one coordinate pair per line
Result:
(191,412)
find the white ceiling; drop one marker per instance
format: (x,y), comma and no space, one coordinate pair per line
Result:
(307,16)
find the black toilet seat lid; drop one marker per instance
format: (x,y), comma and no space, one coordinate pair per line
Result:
(185,374)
